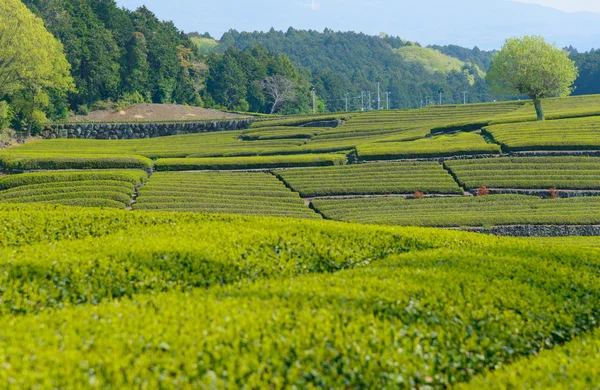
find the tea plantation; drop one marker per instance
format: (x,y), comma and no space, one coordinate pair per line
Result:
(309,252)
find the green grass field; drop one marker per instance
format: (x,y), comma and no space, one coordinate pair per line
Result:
(187,269)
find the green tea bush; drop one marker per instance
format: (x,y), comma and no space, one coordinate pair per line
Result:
(440,146)
(572,366)
(260,162)
(129,176)
(303,304)
(37,161)
(253,193)
(77,188)
(576,173)
(566,134)
(371,179)
(463,211)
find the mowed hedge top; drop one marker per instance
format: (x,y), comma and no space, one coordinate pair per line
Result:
(566,172)
(253,193)
(371,179)
(190,300)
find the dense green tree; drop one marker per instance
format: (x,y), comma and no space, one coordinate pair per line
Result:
(32,63)
(588,63)
(533,67)
(115,52)
(347,62)
(136,68)
(238,80)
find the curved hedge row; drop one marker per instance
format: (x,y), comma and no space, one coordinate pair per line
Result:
(253,193)
(259,162)
(439,146)
(38,161)
(371,179)
(77,188)
(181,300)
(463,211)
(576,173)
(130,176)
(566,134)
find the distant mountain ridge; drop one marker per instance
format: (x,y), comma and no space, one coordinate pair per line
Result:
(485,24)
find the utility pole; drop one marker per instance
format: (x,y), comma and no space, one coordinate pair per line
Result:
(378,97)
(314,99)
(427,101)
(387,101)
(441,92)
(369,108)
(362,100)
(346,101)
(464,97)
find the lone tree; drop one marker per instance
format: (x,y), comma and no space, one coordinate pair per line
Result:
(280,90)
(533,67)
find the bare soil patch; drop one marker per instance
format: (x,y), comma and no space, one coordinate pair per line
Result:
(154,112)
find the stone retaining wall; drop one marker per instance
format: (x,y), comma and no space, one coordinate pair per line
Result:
(139,130)
(541,193)
(539,230)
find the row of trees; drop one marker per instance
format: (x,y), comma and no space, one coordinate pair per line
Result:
(256,80)
(97,52)
(343,63)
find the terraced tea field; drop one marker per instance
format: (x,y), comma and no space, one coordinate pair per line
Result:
(371,179)
(177,300)
(440,146)
(571,173)
(566,134)
(220,272)
(73,188)
(231,193)
(463,211)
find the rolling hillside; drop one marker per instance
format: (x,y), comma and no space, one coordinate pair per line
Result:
(282,255)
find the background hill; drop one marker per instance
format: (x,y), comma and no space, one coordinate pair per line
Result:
(121,57)
(461,22)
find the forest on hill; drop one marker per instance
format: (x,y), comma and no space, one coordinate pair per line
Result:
(120,57)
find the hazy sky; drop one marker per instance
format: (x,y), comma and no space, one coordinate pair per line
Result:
(485,23)
(569,5)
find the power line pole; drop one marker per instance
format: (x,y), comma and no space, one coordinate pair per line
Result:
(362,100)
(464,97)
(369,108)
(314,99)
(346,101)
(387,101)
(378,97)
(441,91)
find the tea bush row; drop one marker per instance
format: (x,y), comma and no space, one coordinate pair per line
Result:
(577,173)
(463,211)
(439,146)
(48,161)
(429,318)
(254,193)
(371,179)
(566,134)
(259,162)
